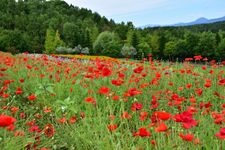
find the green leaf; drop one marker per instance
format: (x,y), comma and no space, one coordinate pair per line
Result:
(50,89)
(38,92)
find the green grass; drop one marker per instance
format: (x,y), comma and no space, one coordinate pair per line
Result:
(63,87)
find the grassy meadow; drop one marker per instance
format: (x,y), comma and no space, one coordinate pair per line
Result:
(50,103)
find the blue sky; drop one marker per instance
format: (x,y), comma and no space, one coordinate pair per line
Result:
(160,12)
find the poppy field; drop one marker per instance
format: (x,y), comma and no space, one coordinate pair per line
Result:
(50,103)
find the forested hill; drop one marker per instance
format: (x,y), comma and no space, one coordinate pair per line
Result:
(28,20)
(55,26)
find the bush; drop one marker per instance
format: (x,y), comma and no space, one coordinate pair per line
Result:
(108,44)
(76,50)
(61,50)
(128,51)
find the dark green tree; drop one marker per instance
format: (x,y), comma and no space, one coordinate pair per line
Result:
(13,41)
(135,40)
(218,39)
(162,43)
(87,39)
(71,34)
(170,48)
(143,50)
(220,53)
(192,40)
(207,44)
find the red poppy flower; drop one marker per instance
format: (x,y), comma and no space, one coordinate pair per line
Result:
(142,132)
(5,95)
(47,109)
(6,121)
(161,127)
(198,57)
(62,120)
(7,82)
(34,128)
(133,92)
(218,117)
(14,109)
(22,115)
(29,67)
(153,142)
(3,69)
(187,137)
(136,106)
(112,127)
(158,75)
(204,67)
(186,119)
(161,115)
(208,84)
(221,134)
(21,80)
(222,82)
(90,100)
(143,115)
(106,72)
(10,127)
(115,97)
(126,115)
(154,103)
(49,130)
(188,86)
(44,148)
(188,59)
(117,82)
(73,119)
(19,91)
(30,123)
(121,75)
(205,59)
(32,97)
(205,105)
(199,92)
(104,90)
(138,69)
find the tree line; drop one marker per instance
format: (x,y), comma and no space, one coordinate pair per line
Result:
(40,26)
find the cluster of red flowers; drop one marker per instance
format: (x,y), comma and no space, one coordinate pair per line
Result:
(7,122)
(151,98)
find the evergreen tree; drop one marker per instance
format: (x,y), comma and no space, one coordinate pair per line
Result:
(58,42)
(134,40)
(50,41)
(218,39)
(87,39)
(162,43)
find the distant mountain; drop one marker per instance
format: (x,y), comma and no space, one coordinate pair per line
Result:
(196,22)
(200,21)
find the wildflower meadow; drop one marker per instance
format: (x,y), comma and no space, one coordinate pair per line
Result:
(54,103)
